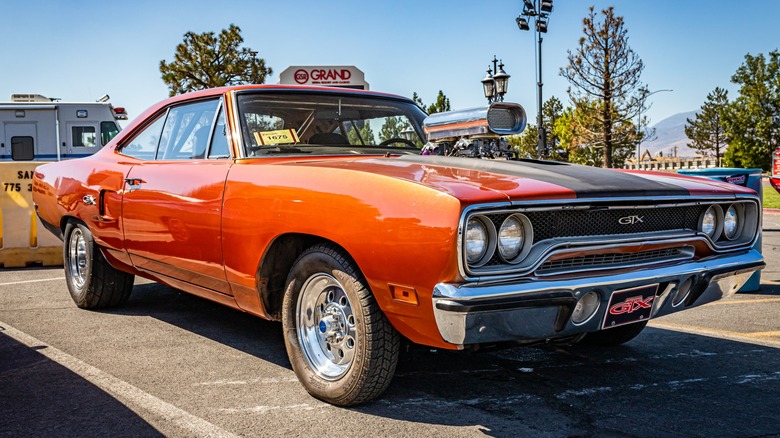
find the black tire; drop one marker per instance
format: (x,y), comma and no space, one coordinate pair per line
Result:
(325,289)
(614,336)
(92,282)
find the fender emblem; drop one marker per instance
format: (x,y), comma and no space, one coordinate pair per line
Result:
(630,220)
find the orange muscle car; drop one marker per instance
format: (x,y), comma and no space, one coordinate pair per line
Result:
(317,207)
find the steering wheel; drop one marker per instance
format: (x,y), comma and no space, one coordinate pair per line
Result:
(390,141)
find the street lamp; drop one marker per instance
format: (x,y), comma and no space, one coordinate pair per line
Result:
(639,126)
(495,85)
(537,11)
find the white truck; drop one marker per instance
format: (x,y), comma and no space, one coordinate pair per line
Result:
(38,128)
(35,129)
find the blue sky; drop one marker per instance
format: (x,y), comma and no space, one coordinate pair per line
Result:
(80,50)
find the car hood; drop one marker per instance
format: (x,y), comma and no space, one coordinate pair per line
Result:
(475,180)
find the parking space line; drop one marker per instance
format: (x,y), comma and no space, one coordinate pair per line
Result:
(756,301)
(31,281)
(131,396)
(750,338)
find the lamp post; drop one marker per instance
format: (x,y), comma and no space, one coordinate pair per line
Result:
(639,126)
(495,85)
(537,11)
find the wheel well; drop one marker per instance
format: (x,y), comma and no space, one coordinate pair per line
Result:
(67,219)
(276,265)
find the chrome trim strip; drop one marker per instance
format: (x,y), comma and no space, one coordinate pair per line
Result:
(686,253)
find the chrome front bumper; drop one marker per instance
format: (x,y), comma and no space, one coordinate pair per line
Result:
(538,309)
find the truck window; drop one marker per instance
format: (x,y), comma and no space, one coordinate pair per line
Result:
(22,148)
(83,136)
(108,130)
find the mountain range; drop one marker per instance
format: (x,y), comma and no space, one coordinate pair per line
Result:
(670,138)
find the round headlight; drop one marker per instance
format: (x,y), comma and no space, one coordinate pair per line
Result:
(476,240)
(510,238)
(731,222)
(709,223)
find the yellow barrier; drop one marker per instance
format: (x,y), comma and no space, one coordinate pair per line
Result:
(21,244)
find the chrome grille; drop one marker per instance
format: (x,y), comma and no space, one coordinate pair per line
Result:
(604,222)
(613,260)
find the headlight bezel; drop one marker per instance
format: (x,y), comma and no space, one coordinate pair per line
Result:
(739,216)
(718,217)
(490,243)
(525,242)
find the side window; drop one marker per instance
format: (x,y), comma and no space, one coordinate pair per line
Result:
(22,148)
(108,130)
(144,145)
(219,141)
(83,136)
(186,132)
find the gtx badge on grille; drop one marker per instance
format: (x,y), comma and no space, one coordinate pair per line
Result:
(630,220)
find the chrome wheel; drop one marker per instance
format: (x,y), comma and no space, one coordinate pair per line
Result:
(78,260)
(326,326)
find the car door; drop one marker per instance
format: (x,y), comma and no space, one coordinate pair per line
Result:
(172,202)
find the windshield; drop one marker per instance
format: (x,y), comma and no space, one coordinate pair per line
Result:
(324,123)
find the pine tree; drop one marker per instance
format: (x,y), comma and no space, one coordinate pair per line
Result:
(442,103)
(752,121)
(206,61)
(604,73)
(706,131)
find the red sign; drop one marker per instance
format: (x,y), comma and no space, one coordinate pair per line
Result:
(301,76)
(776,163)
(323,76)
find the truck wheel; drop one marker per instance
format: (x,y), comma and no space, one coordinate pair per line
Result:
(614,336)
(340,345)
(92,282)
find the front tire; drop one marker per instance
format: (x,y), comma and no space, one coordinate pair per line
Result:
(92,282)
(340,345)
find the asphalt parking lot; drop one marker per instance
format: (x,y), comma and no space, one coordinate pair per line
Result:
(172,364)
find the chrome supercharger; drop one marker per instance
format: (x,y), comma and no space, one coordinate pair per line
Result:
(475,132)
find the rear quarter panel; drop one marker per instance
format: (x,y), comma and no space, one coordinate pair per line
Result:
(59,189)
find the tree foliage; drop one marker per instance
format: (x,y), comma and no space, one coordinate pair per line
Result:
(525,143)
(604,73)
(751,121)
(206,60)
(362,134)
(392,128)
(706,131)
(442,103)
(552,110)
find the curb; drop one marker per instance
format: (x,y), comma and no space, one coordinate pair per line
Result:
(772,211)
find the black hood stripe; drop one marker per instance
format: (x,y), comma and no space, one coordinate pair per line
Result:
(584,181)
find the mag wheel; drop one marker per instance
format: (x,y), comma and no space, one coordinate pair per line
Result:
(340,345)
(92,282)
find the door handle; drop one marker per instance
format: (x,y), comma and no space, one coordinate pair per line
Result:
(133,184)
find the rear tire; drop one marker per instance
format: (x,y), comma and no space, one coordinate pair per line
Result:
(92,282)
(340,345)
(614,336)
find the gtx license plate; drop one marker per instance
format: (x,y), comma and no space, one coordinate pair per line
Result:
(627,306)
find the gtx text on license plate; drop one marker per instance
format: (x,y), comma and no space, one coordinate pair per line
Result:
(630,305)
